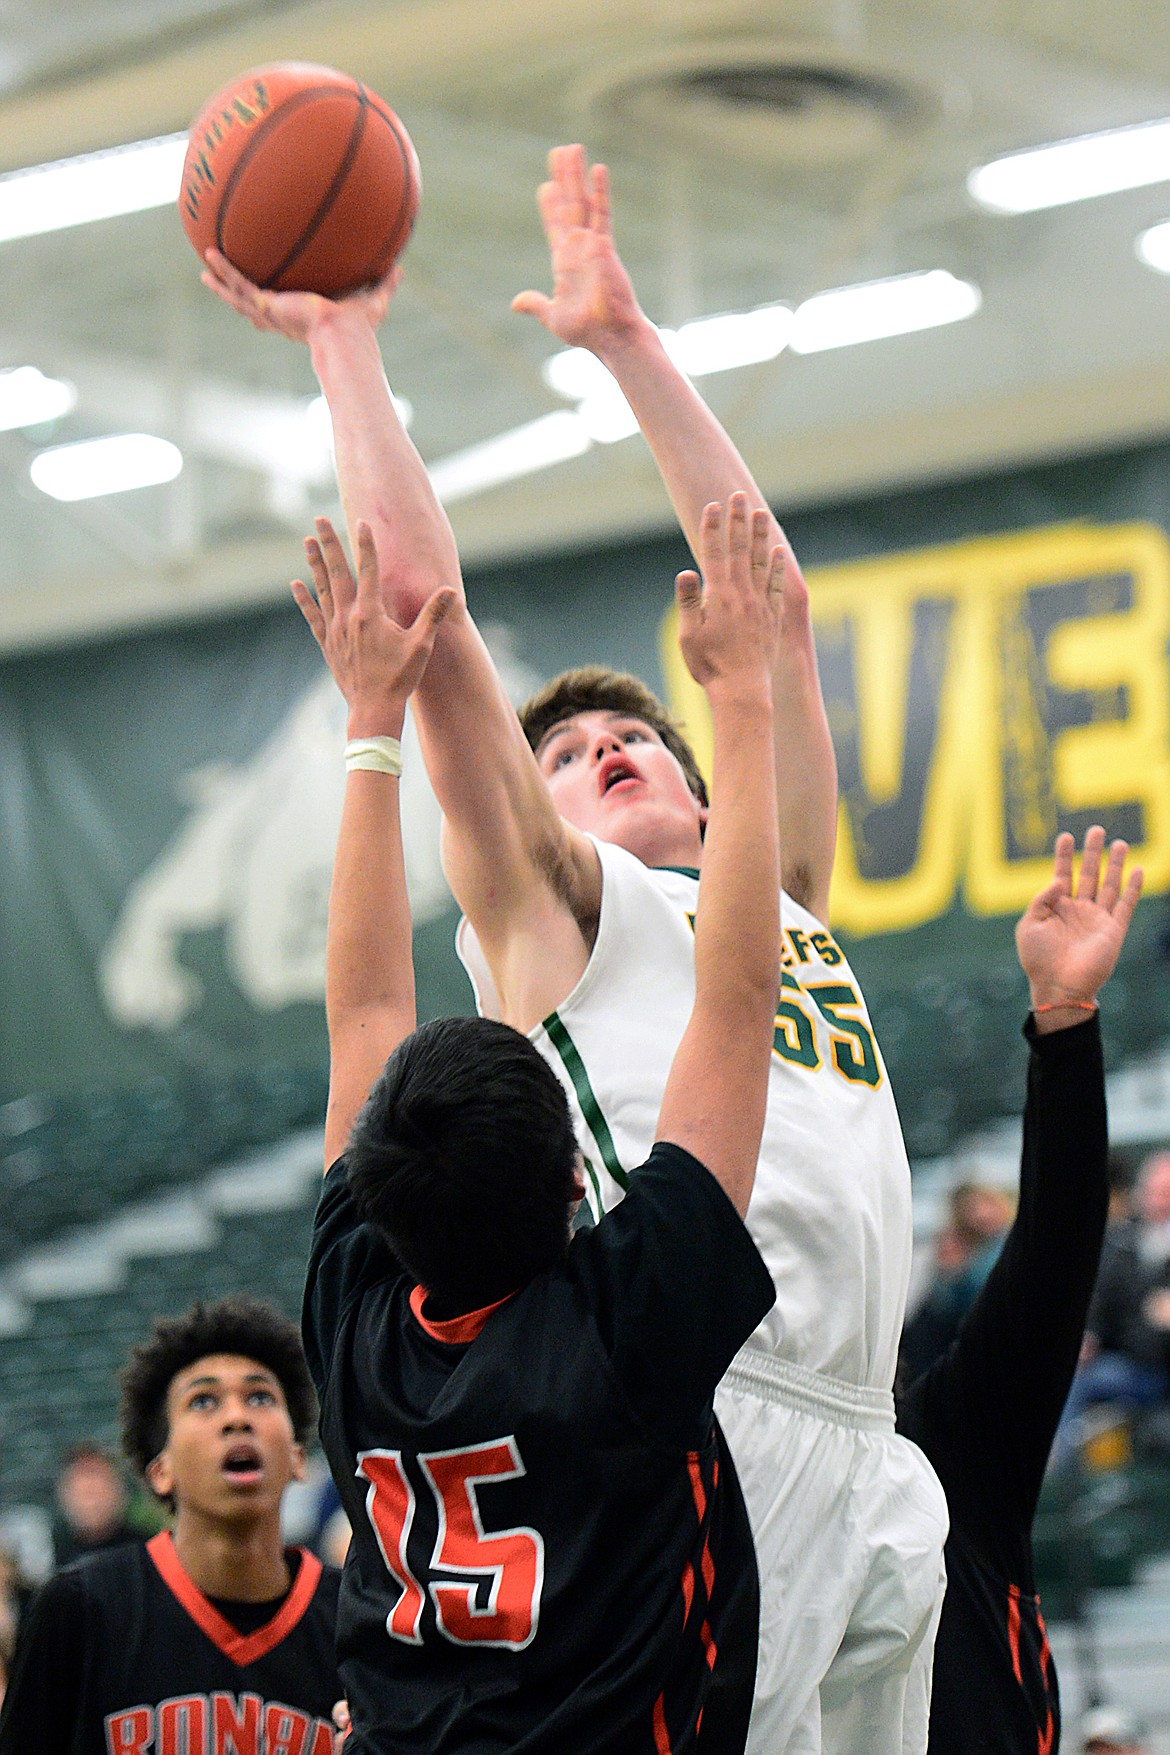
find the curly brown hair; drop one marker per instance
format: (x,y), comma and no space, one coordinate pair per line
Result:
(592,688)
(240,1325)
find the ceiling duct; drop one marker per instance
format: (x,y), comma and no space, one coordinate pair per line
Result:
(763,103)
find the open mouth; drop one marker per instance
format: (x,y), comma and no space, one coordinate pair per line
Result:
(242,1465)
(617,773)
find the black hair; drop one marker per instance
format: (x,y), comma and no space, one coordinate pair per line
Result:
(464,1158)
(240,1325)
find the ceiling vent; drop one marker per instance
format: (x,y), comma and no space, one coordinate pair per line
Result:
(765,104)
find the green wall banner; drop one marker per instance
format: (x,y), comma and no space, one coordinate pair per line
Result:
(994,659)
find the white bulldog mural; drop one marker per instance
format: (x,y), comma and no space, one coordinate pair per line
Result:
(255,857)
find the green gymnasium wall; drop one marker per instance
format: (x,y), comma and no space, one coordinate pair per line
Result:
(994,657)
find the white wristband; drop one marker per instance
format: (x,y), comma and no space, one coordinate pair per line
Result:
(381,755)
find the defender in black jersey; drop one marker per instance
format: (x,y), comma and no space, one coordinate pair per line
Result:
(985,1413)
(213,1639)
(551,1555)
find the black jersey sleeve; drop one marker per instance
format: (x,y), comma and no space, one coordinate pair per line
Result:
(987,1411)
(675,1286)
(345,1257)
(42,1707)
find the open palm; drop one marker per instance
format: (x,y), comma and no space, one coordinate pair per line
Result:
(1068,941)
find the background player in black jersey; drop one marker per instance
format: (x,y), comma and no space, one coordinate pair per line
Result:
(213,1639)
(550,1549)
(985,1413)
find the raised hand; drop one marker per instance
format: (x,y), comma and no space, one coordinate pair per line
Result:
(375,662)
(293,314)
(592,298)
(1068,943)
(729,620)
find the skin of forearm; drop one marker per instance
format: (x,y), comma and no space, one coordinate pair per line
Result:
(704,465)
(381,476)
(368,953)
(737,926)
(698,463)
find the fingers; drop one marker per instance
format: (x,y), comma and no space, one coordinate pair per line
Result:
(532,304)
(1048,900)
(1128,900)
(427,623)
(338,578)
(320,574)
(600,212)
(688,592)
(712,553)
(1109,888)
(1090,863)
(1062,862)
(308,608)
(368,582)
(569,174)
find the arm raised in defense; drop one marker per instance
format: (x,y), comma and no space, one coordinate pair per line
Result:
(728,624)
(369,970)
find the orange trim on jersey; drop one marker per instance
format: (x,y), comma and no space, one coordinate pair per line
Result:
(455,1330)
(1013,1629)
(661,1734)
(239,1647)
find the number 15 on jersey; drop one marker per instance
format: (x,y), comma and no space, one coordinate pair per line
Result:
(485,1585)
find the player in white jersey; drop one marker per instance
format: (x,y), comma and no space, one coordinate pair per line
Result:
(848,1518)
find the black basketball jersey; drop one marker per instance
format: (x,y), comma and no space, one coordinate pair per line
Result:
(551,1551)
(124,1655)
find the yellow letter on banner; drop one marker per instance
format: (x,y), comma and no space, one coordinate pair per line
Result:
(1073,633)
(982,696)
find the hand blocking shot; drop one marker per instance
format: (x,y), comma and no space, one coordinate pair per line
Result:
(551,1551)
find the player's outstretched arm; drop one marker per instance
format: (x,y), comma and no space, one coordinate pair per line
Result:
(728,626)
(369,971)
(501,833)
(987,1410)
(1070,937)
(593,305)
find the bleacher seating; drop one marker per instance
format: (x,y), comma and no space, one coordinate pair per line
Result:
(70,1161)
(58,1373)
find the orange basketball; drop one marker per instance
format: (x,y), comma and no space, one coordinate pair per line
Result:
(303,178)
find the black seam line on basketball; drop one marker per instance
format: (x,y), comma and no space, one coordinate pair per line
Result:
(334,189)
(266,127)
(407,187)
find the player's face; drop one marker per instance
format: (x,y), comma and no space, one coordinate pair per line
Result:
(230,1450)
(611,775)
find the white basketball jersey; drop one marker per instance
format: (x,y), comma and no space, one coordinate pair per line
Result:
(830,1212)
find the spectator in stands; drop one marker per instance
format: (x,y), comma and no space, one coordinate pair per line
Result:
(93,1501)
(9,1616)
(213,1635)
(1126,1354)
(965,1252)
(1109,1730)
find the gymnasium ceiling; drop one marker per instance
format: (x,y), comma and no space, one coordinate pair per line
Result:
(846,161)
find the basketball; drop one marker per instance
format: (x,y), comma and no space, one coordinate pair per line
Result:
(302,177)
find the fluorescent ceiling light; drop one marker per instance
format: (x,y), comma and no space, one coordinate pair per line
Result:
(878,308)
(27,398)
(1153,247)
(1074,170)
(704,346)
(97,185)
(552,439)
(607,417)
(738,338)
(105,466)
(577,373)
